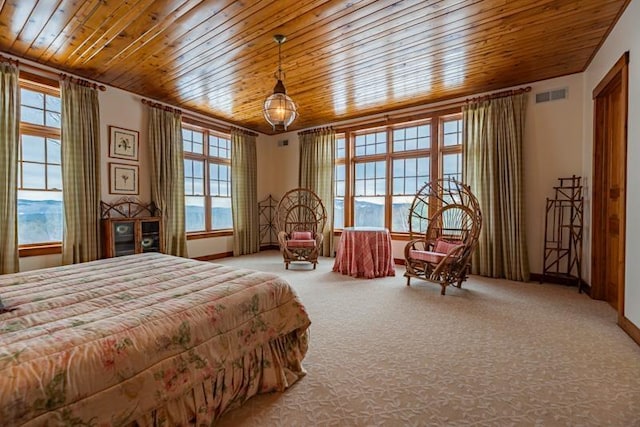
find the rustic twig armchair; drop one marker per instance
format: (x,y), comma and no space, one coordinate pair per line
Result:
(444,224)
(300,220)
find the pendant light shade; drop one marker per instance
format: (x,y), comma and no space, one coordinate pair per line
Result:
(279,109)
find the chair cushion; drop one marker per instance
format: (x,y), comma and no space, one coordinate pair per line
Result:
(301,235)
(445,247)
(301,243)
(426,256)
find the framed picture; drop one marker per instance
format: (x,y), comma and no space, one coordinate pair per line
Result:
(123,179)
(123,143)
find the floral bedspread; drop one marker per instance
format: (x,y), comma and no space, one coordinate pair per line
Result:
(110,341)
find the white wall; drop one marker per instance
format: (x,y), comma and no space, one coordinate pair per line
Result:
(278,165)
(552,149)
(624,37)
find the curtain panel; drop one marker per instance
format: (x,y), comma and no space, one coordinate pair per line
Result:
(80,134)
(244,193)
(9,140)
(317,168)
(493,168)
(167,175)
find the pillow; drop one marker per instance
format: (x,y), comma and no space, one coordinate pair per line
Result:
(445,247)
(301,235)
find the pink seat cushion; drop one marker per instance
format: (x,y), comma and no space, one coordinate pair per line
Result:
(301,235)
(446,247)
(301,243)
(426,256)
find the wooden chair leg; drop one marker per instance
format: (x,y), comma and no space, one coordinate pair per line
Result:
(444,287)
(408,280)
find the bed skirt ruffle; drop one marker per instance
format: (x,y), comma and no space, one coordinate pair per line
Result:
(274,366)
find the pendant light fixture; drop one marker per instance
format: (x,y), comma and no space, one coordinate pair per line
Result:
(279,109)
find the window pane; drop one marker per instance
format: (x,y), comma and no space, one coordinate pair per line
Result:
(52,119)
(32,98)
(197,137)
(52,103)
(53,151)
(32,115)
(33,149)
(398,186)
(398,167)
(371,143)
(39,216)
(33,176)
(452,166)
(198,169)
(221,213)
(452,130)
(194,213)
(400,213)
(340,147)
(54,177)
(338,212)
(451,126)
(198,186)
(192,141)
(368,211)
(219,147)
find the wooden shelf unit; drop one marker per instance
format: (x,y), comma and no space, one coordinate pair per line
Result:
(130,227)
(563,232)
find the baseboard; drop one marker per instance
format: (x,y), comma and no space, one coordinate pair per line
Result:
(399,261)
(269,247)
(214,256)
(559,280)
(632,330)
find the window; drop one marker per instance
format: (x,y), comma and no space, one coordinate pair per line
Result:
(452,147)
(379,170)
(207,179)
(40,209)
(340,181)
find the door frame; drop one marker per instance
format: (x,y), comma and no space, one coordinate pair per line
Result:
(600,194)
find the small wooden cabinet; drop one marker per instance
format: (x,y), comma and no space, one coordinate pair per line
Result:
(130,227)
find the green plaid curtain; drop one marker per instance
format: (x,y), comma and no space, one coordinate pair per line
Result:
(493,132)
(167,176)
(9,140)
(244,193)
(317,166)
(80,133)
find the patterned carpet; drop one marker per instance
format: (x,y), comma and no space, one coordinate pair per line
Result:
(494,353)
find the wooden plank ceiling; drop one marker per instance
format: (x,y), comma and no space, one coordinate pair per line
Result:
(342,59)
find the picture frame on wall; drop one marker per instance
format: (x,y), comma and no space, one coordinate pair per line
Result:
(123,179)
(123,143)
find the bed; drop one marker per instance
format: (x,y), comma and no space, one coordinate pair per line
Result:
(148,340)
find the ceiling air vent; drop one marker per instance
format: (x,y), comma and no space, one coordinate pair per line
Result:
(552,95)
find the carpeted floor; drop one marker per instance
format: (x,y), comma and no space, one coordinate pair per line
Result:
(495,353)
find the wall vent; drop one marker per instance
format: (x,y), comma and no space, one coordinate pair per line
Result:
(283,143)
(552,95)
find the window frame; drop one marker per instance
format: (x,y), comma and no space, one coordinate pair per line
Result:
(207,160)
(51,87)
(435,153)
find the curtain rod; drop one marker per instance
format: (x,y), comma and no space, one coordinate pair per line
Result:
(317,130)
(198,121)
(496,95)
(9,60)
(244,131)
(82,82)
(161,106)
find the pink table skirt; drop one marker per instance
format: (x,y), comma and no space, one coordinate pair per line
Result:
(365,252)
